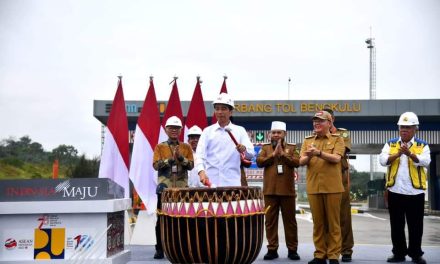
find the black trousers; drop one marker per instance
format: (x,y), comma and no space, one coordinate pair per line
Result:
(409,208)
(158,236)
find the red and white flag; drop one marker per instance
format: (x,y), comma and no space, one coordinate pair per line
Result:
(196,111)
(142,173)
(115,154)
(173,109)
(222,90)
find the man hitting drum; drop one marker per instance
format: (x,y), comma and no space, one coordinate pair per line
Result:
(222,146)
(172,160)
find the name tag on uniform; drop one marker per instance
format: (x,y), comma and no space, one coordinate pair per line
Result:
(174,169)
(280,169)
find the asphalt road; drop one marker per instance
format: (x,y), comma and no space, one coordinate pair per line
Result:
(371,234)
(372,227)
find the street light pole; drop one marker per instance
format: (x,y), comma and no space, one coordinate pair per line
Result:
(371,46)
(288,88)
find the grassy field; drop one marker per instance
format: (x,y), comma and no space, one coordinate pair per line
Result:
(24,170)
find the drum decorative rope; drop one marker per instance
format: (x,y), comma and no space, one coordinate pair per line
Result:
(212,225)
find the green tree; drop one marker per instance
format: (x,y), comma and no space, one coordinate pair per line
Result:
(65,154)
(358,184)
(84,168)
(23,149)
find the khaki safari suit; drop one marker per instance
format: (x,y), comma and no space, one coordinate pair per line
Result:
(346,228)
(324,189)
(279,193)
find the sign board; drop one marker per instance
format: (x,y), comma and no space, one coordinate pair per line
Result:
(59,190)
(257,149)
(259,136)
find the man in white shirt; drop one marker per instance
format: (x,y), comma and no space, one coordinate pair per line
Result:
(407,159)
(218,157)
(193,139)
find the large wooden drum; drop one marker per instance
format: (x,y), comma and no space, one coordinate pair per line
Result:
(212,225)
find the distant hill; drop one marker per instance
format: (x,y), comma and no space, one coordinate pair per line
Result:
(24,159)
(26,170)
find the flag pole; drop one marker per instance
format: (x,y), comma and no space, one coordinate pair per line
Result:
(174,79)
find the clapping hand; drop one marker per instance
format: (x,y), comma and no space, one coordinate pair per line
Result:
(311,150)
(404,149)
(278,149)
(176,152)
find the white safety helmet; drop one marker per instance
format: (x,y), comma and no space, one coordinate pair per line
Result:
(225,99)
(195,130)
(173,121)
(408,119)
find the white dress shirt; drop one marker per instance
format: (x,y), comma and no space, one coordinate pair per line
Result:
(403,184)
(193,176)
(217,154)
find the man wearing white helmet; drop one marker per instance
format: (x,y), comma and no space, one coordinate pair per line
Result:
(407,158)
(172,160)
(218,158)
(193,139)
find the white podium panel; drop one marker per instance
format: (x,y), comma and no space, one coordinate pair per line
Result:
(69,231)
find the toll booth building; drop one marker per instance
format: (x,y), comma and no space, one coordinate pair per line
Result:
(370,123)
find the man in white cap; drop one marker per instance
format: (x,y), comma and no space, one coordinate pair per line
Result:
(172,160)
(279,160)
(407,158)
(193,139)
(218,157)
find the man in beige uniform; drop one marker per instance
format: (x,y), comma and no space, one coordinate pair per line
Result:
(279,160)
(346,228)
(322,153)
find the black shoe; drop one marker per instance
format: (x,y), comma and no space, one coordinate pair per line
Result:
(293,255)
(333,261)
(271,254)
(317,261)
(158,254)
(346,258)
(419,260)
(395,258)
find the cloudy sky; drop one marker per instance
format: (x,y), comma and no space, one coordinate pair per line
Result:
(57,56)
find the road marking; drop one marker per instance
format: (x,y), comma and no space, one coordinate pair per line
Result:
(371,216)
(306,217)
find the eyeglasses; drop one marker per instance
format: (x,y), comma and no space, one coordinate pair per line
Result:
(319,121)
(173,128)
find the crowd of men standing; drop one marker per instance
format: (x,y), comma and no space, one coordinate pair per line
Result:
(215,157)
